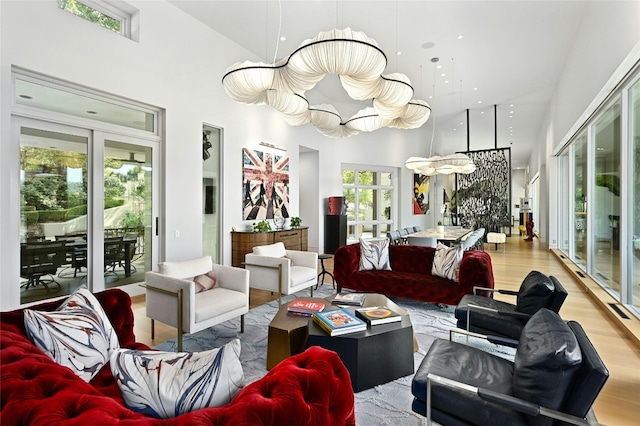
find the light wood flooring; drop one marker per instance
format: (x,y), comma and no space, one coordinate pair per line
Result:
(619,402)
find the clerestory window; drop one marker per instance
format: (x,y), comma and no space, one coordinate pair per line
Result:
(100,12)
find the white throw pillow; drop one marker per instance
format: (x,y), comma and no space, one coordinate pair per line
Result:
(186,268)
(374,255)
(271,250)
(77,335)
(446,261)
(168,384)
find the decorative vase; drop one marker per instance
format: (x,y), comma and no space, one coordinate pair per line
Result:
(278,219)
(441,229)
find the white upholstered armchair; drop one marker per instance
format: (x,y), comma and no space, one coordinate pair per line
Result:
(173,297)
(282,271)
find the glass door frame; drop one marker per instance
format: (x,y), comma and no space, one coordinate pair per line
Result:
(97,215)
(95,194)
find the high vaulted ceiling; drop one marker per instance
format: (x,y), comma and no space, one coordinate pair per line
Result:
(507,54)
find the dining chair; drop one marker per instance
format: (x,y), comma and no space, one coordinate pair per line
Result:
(76,257)
(422,241)
(394,237)
(113,254)
(39,259)
(403,235)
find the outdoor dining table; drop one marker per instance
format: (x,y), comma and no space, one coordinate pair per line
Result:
(450,236)
(128,245)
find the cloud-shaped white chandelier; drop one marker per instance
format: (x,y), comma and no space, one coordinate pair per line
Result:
(453,163)
(358,61)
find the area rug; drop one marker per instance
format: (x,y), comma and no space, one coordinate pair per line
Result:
(387,404)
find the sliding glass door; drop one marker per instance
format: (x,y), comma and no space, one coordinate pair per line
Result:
(86,209)
(605,208)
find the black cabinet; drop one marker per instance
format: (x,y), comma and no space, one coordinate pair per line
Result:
(335,232)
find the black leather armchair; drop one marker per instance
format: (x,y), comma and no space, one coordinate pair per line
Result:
(493,317)
(554,379)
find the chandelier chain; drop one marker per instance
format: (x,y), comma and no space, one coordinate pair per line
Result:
(275,54)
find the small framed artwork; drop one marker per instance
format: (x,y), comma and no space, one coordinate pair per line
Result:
(420,194)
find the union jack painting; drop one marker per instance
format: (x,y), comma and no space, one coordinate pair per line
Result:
(265,181)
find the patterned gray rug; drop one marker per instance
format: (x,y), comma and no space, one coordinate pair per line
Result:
(388,404)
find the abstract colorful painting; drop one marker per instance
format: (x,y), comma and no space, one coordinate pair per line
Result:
(420,194)
(265,181)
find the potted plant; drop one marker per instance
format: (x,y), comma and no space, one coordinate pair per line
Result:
(296,222)
(262,226)
(440,227)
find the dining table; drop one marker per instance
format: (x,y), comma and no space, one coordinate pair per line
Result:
(128,246)
(451,235)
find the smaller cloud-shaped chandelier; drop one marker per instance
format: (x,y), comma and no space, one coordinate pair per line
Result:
(453,163)
(358,61)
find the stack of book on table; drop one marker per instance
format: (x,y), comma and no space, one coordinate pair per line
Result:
(304,307)
(378,315)
(355,299)
(339,321)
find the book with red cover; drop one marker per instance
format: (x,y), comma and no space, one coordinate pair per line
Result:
(304,307)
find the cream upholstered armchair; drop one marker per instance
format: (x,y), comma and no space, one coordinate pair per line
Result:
(178,295)
(282,271)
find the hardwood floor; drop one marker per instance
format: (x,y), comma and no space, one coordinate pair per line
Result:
(619,401)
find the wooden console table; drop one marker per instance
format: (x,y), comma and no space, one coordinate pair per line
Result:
(243,242)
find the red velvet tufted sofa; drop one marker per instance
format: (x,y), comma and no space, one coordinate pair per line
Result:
(310,388)
(410,277)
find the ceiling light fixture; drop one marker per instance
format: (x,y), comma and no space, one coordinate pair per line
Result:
(358,61)
(453,163)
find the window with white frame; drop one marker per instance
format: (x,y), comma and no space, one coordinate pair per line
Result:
(101,12)
(371,200)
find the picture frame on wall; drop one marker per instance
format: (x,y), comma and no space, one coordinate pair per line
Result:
(265,184)
(421,185)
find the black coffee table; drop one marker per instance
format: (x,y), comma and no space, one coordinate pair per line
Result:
(378,355)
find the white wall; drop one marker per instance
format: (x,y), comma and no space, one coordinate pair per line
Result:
(518,185)
(608,32)
(177,65)
(311,207)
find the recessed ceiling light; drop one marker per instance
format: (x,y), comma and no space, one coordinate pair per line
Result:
(481,112)
(475,88)
(460,37)
(510,105)
(430,97)
(461,124)
(511,127)
(510,112)
(399,53)
(454,129)
(443,74)
(26,96)
(479,102)
(283,38)
(91,112)
(511,116)
(439,66)
(446,81)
